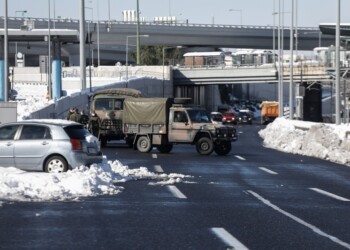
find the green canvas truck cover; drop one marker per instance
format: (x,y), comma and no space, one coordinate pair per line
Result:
(146,110)
(120,92)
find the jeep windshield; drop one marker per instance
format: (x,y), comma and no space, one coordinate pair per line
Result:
(108,104)
(198,116)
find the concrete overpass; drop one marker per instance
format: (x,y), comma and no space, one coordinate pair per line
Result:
(112,35)
(187,76)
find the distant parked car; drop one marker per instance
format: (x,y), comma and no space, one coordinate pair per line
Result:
(47,145)
(216,117)
(229,118)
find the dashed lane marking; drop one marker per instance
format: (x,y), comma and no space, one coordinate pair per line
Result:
(158,168)
(228,239)
(302,222)
(176,192)
(334,196)
(267,170)
(240,157)
(154,156)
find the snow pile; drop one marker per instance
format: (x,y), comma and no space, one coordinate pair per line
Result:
(30,97)
(28,106)
(325,141)
(101,179)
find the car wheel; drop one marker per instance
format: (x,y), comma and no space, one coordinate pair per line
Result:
(144,144)
(56,164)
(165,148)
(223,148)
(205,146)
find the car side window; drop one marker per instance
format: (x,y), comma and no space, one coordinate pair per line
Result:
(8,132)
(32,132)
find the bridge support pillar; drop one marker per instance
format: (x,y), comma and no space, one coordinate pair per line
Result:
(2,71)
(56,70)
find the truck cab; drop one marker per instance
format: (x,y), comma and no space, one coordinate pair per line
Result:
(108,106)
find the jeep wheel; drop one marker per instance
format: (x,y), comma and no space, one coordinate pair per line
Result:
(223,148)
(144,144)
(165,148)
(205,146)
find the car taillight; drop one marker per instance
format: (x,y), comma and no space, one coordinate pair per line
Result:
(76,144)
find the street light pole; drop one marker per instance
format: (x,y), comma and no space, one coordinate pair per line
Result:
(138,34)
(98,35)
(16,44)
(337,66)
(20,11)
(82,45)
(127,56)
(291,64)
(6,59)
(240,12)
(109,11)
(49,55)
(280,70)
(89,41)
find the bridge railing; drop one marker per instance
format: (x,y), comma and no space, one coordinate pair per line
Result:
(180,23)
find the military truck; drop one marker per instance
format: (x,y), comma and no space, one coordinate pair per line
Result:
(108,106)
(162,122)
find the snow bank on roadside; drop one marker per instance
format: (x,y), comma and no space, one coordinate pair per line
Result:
(326,141)
(101,179)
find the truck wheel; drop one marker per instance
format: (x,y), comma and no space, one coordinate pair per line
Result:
(205,146)
(165,148)
(223,148)
(144,144)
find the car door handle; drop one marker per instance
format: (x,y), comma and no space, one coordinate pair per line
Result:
(9,144)
(44,143)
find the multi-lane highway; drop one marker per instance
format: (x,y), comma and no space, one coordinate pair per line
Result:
(253,198)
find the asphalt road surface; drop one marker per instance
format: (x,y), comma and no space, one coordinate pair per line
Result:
(253,198)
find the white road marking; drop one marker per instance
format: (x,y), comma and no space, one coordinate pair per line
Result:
(158,168)
(268,170)
(176,192)
(240,157)
(329,194)
(302,222)
(154,156)
(228,239)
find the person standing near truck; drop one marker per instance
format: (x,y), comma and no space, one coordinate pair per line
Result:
(94,124)
(75,117)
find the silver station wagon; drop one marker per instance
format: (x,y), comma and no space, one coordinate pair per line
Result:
(48,145)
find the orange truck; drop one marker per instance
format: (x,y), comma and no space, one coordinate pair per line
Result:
(269,111)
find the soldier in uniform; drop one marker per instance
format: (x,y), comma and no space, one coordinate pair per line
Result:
(94,124)
(84,119)
(70,112)
(75,117)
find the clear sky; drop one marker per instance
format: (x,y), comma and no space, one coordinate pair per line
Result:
(251,12)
